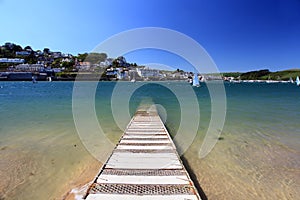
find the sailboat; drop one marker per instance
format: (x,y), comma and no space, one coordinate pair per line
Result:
(297,81)
(196,80)
(291,80)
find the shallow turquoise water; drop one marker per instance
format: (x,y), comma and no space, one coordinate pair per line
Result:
(40,145)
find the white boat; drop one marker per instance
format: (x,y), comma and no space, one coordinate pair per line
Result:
(196,80)
(297,81)
(235,81)
(49,79)
(291,80)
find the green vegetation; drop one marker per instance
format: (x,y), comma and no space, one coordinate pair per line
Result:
(82,57)
(4,66)
(283,75)
(266,74)
(255,75)
(179,70)
(47,57)
(231,74)
(9,51)
(95,58)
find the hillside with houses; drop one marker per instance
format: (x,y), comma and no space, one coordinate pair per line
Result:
(24,64)
(18,63)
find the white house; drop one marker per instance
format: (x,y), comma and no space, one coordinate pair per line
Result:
(148,73)
(22,53)
(11,60)
(30,67)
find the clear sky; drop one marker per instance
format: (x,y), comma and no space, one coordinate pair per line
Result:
(240,35)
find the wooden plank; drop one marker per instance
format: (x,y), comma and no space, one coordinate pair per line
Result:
(144,165)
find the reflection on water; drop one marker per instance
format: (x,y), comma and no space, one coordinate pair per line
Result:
(41,154)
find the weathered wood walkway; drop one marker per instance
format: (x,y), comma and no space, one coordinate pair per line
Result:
(144,165)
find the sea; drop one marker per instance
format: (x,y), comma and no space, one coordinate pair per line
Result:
(47,153)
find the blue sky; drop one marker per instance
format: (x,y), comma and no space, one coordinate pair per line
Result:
(240,35)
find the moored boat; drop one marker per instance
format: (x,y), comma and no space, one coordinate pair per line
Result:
(297,81)
(196,80)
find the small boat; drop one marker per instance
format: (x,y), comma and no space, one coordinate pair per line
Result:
(291,80)
(50,79)
(132,80)
(297,81)
(235,81)
(34,79)
(196,80)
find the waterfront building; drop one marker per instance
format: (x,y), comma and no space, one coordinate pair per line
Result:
(11,60)
(146,73)
(30,67)
(56,55)
(23,53)
(108,62)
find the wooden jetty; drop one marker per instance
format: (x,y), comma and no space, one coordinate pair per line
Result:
(144,165)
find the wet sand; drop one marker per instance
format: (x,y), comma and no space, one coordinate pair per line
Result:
(245,168)
(44,166)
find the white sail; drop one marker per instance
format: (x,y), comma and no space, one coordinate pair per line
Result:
(291,80)
(196,80)
(297,81)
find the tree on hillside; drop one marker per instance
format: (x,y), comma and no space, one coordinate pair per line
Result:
(67,65)
(6,52)
(28,48)
(31,59)
(46,51)
(8,45)
(96,58)
(115,63)
(56,63)
(254,75)
(9,50)
(82,57)
(17,48)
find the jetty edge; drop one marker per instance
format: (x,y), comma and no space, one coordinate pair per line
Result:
(144,165)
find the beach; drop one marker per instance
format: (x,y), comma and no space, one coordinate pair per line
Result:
(258,156)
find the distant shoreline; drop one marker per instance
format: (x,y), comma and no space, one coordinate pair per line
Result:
(92,79)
